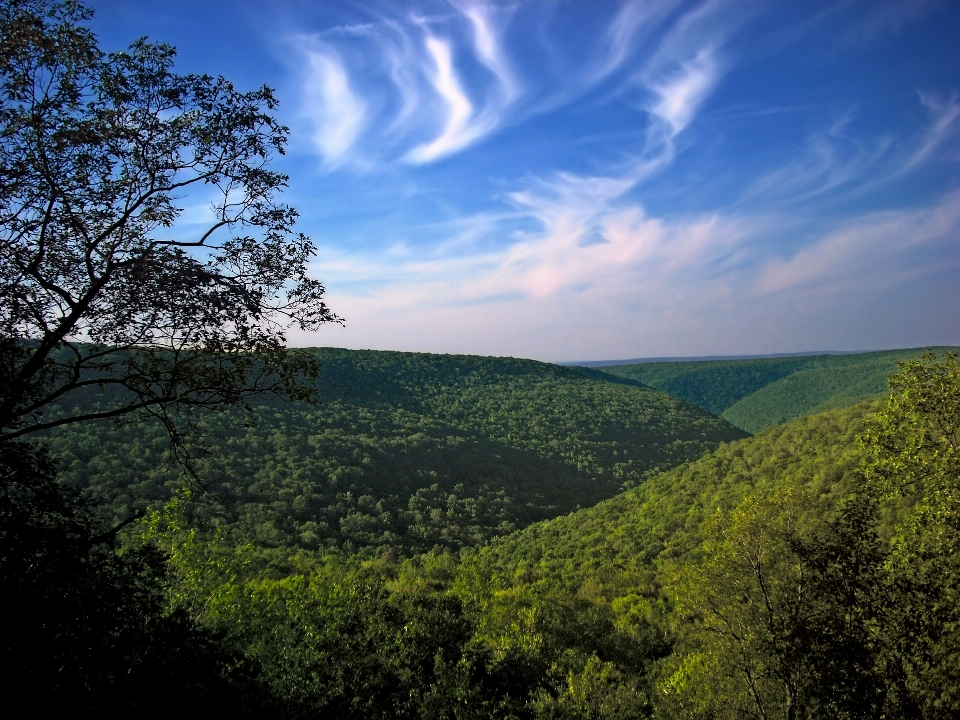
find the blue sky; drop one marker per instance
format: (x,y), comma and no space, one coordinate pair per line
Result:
(600,180)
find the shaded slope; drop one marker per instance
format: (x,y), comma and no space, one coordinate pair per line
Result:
(624,542)
(408,451)
(757,393)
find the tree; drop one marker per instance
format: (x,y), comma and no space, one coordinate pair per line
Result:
(110,302)
(779,619)
(103,287)
(93,632)
(913,460)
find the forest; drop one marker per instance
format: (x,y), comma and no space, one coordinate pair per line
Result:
(198,519)
(810,571)
(405,452)
(756,393)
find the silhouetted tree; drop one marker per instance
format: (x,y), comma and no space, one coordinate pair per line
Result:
(104,284)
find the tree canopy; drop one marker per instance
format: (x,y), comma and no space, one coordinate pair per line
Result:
(103,284)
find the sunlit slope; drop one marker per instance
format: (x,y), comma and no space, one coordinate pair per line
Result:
(758,393)
(625,543)
(408,451)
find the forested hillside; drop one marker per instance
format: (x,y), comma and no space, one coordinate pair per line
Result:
(660,521)
(610,571)
(758,393)
(788,575)
(807,572)
(791,575)
(406,452)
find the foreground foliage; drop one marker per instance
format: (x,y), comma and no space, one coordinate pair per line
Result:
(94,631)
(99,286)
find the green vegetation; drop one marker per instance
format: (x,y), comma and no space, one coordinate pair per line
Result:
(797,574)
(808,572)
(407,452)
(758,393)
(660,521)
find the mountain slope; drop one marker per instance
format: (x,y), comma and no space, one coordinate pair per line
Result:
(623,543)
(407,452)
(758,393)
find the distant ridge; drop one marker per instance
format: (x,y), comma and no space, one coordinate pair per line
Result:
(701,358)
(757,392)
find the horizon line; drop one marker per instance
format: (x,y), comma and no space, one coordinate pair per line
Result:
(705,358)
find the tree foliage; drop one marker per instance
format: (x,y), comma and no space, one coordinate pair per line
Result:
(102,282)
(93,629)
(781,614)
(913,454)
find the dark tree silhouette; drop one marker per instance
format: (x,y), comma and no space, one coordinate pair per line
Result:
(104,285)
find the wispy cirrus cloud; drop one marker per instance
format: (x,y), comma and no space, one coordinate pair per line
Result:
(396,87)
(335,111)
(944,116)
(584,236)
(669,283)
(419,88)
(679,95)
(838,161)
(488,44)
(879,244)
(676,78)
(827,163)
(459,127)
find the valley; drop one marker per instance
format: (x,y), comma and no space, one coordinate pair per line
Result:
(534,541)
(756,393)
(405,453)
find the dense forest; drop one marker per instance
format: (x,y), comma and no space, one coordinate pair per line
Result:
(807,572)
(757,393)
(405,452)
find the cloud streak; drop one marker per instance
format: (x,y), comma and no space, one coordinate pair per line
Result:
(422,88)
(835,162)
(335,111)
(395,87)
(650,280)
(458,131)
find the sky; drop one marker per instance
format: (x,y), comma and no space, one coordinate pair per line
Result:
(594,180)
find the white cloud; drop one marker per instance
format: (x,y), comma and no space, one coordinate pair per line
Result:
(408,87)
(462,125)
(700,285)
(681,73)
(456,132)
(680,94)
(394,89)
(627,33)
(943,125)
(839,161)
(826,164)
(336,112)
(870,249)
(489,48)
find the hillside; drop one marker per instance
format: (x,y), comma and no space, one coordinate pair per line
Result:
(758,393)
(628,539)
(406,452)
